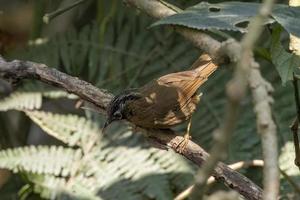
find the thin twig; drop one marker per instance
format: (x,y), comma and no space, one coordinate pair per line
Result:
(223,195)
(50,16)
(218,152)
(174,8)
(291,181)
(143,63)
(262,105)
(296,95)
(17,70)
(295,125)
(295,48)
(236,166)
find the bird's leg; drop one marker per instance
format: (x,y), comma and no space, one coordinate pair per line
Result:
(182,145)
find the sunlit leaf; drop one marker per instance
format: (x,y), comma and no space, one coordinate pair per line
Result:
(287,165)
(284,62)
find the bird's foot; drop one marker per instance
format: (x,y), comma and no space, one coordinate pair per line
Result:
(183,143)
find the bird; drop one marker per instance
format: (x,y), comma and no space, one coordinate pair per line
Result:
(163,102)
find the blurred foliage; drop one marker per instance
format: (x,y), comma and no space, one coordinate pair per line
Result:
(111,46)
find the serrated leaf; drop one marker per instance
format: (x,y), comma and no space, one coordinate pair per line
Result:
(288,17)
(284,62)
(231,16)
(222,16)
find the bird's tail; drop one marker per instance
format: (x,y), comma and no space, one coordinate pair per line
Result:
(204,66)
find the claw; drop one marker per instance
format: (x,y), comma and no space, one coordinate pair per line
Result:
(183,144)
(180,148)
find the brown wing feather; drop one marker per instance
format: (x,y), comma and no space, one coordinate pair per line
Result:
(171,99)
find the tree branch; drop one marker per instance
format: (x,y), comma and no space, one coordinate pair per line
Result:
(17,70)
(262,104)
(199,156)
(235,166)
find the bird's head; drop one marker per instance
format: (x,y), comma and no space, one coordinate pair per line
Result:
(116,110)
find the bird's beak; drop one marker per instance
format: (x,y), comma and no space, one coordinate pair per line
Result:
(105,125)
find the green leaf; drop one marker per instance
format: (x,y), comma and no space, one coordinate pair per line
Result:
(263,52)
(232,16)
(221,16)
(288,18)
(283,61)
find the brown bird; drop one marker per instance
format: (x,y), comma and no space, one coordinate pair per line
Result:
(164,102)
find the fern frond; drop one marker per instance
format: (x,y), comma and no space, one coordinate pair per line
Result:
(31,100)
(134,164)
(48,186)
(180,171)
(56,94)
(21,101)
(52,187)
(134,172)
(71,129)
(125,163)
(54,160)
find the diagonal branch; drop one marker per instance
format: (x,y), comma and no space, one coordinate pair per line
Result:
(17,70)
(222,172)
(236,166)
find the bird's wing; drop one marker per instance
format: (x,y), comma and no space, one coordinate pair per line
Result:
(188,82)
(169,97)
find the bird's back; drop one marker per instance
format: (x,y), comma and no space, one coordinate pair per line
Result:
(171,99)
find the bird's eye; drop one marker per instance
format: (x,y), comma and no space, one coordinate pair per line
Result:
(117,115)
